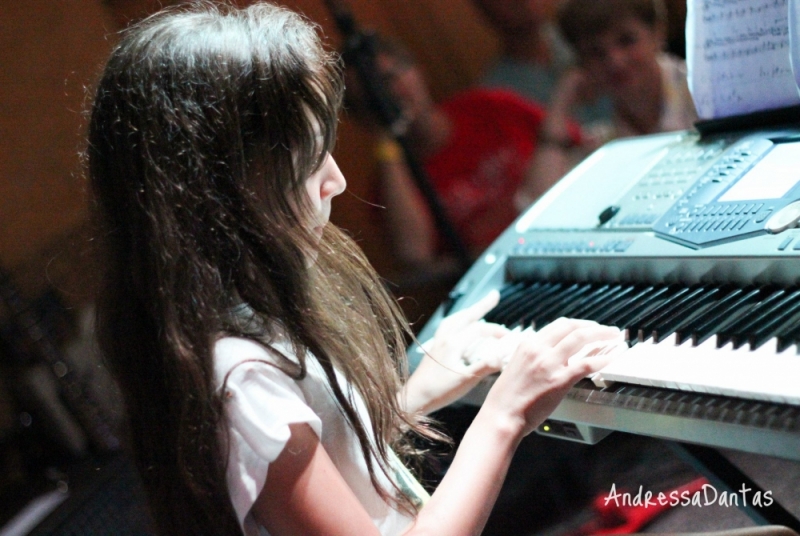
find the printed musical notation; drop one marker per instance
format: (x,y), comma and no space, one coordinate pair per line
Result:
(730,53)
(738,54)
(716,11)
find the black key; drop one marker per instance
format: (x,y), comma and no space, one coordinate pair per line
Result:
(594,310)
(638,308)
(549,290)
(615,295)
(623,306)
(724,316)
(587,301)
(647,321)
(767,318)
(689,308)
(789,337)
(675,310)
(785,314)
(508,290)
(566,301)
(685,332)
(546,302)
(597,297)
(513,309)
(507,294)
(759,315)
(737,331)
(635,318)
(619,299)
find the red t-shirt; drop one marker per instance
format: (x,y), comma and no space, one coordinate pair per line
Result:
(477,174)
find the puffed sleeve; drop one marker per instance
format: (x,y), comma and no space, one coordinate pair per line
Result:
(261,402)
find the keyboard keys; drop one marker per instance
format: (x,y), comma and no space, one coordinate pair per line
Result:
(597,292)
(736,332)
(708,369)
(614,310)
(678,309)
(642,325)
(546,301)
(639,307)
(563,304)
(723,315)
(782,314)
(739,318)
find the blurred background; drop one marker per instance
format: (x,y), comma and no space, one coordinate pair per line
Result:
(57,408)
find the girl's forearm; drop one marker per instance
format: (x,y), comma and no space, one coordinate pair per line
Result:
(464,499)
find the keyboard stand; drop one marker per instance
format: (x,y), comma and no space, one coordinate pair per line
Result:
(725,476)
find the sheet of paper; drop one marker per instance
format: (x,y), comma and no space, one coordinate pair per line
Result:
(738,56)
(794,38)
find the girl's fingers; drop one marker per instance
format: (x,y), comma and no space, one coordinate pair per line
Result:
(594,337)
(490,354)
(594,357)
(468,346)
(488,329)
(471,314)
(606,347)
(589,365)
(553,333)
(483,342)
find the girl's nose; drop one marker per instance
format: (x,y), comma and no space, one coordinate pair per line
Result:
(334,182)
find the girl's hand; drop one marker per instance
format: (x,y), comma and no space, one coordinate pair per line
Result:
(463,351)
(540,372)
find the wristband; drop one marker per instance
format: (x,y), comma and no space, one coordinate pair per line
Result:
(388,151)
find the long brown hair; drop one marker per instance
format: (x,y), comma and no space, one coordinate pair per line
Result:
(205,124)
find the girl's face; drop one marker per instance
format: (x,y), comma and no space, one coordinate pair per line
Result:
(623,58)
(321,187)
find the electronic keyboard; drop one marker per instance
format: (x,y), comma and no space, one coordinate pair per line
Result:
(689,245)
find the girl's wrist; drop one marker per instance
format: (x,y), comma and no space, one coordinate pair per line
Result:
(504,423)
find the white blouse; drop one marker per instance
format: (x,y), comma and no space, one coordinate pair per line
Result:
(261,403)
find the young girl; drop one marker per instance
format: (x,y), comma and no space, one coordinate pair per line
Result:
(261,360)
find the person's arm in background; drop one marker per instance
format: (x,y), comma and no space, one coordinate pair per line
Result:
(560,144)
(408,220)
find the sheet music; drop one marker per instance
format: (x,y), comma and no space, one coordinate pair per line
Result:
(794,39)
(738,56)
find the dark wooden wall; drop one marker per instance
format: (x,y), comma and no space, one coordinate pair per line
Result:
(49,51)
(52,51)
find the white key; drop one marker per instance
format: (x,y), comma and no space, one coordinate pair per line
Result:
(762,374)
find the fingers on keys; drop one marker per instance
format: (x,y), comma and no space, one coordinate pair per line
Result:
(471,314)
(582,345)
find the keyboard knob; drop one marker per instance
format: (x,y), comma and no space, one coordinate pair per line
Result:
(783,219)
